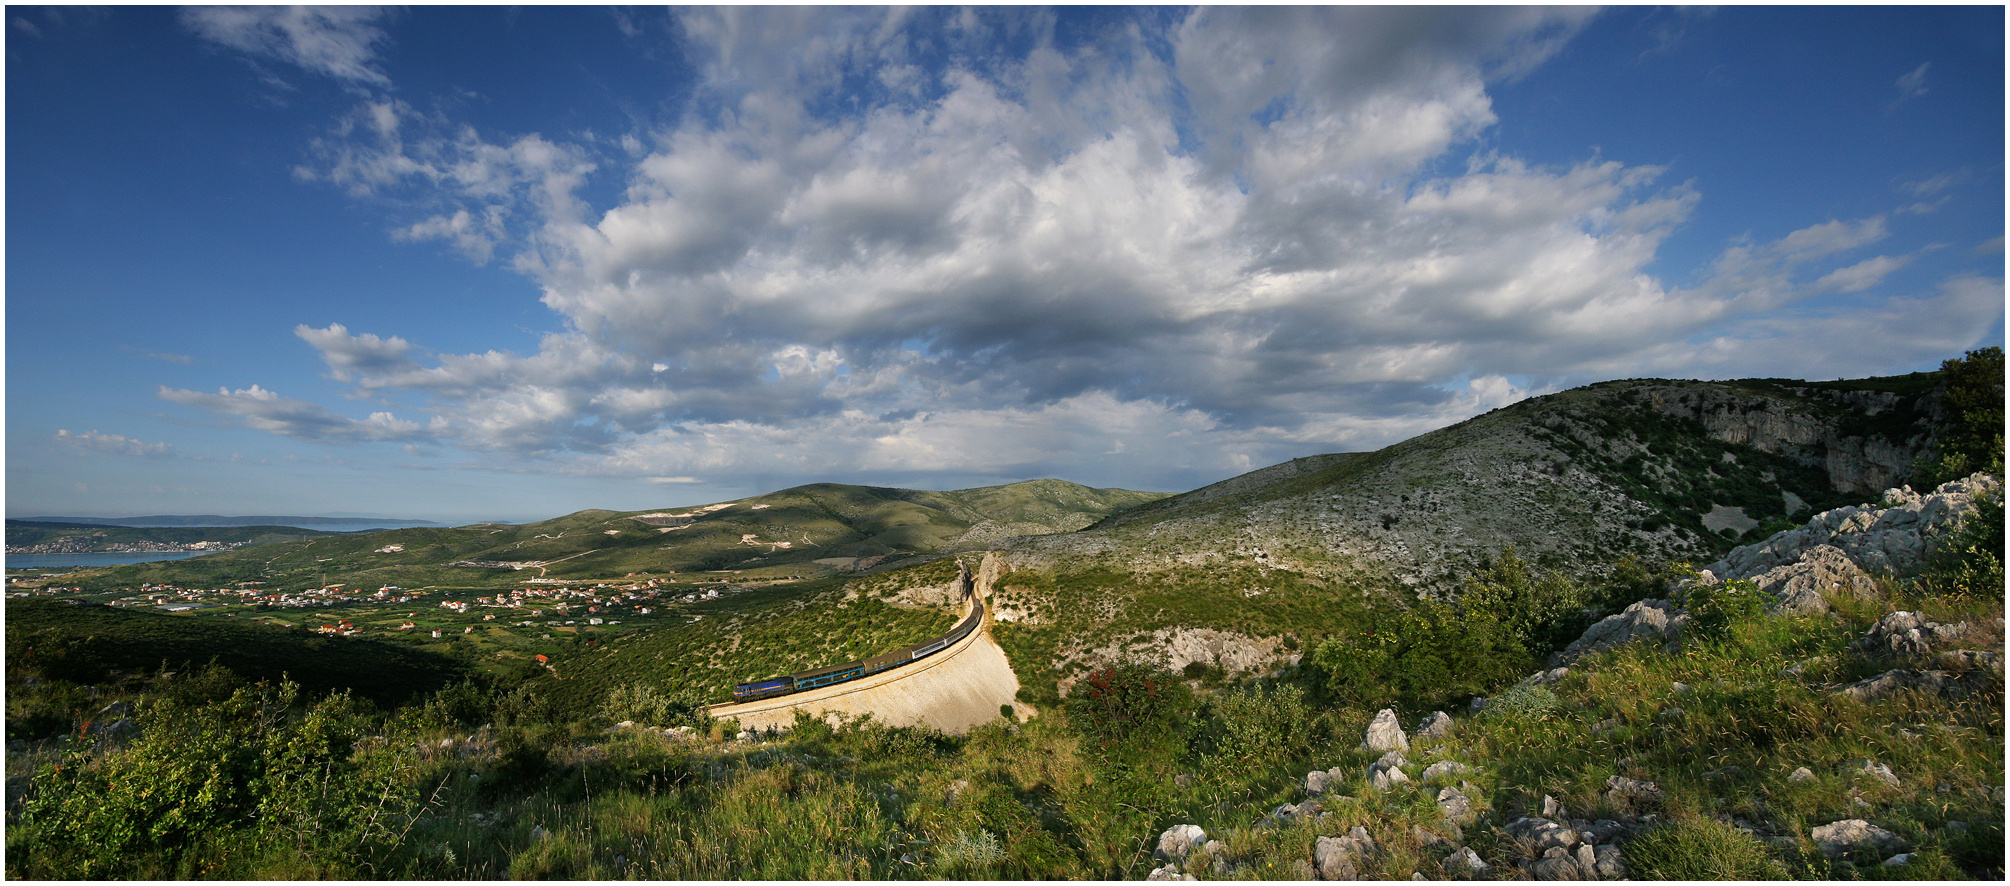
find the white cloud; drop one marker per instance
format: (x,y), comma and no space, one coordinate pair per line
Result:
(1913,83)
(1862,275)
(334,41)
(92,441)
(1253,234)
(263,410)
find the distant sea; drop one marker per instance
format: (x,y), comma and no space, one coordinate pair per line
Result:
(26,561)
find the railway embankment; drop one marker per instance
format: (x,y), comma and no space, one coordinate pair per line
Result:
(954,690)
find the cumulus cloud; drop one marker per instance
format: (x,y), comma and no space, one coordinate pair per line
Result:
(1224,241)
(333,41)
(92,441)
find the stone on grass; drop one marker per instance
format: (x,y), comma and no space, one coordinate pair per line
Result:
(1875,770)
(1178,842)
(1622,792)
(1437,725)
(1465,864)
(1801,774)
(1856,835)
(1609,863)
(1446,769)
(1456,806)
(1339,858)
(1385,734)
(1386,773)
(1554,867)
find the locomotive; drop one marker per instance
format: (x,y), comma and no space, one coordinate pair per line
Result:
(853,670)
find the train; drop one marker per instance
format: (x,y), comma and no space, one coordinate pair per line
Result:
(853,670)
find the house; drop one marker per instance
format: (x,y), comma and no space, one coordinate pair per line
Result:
(407,626)
(436,633)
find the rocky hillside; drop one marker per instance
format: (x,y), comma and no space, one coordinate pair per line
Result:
(1659,471)
(1822,732)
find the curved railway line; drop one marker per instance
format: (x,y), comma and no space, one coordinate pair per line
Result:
(814,678)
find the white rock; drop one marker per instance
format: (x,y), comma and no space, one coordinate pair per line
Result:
(1385,734)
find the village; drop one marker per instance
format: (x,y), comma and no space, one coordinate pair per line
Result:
(351,612)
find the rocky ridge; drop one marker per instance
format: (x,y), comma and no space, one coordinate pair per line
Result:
(1576,477)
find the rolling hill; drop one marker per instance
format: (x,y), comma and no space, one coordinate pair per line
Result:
(820,529)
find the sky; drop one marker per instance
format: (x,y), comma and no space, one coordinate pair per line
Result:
(468,263)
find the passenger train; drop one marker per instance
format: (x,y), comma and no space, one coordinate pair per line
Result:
(853,670)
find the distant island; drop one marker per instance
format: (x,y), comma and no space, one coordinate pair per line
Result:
(214,520)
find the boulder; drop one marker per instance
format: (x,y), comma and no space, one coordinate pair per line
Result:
(1446,770)
(1895,681)
(1554,867)
(1801,774)
(1385,734)
(1340,858)
(1905,635)
(1644,620)
(1608,862)
(1855,836)
(1464,864)
(1178,842)
(1626,793)
(1167,873)
(1437,725)
(1457,807)
(1319,782)
(1387,772)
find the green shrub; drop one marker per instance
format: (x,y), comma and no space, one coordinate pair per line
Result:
(1715,608)
(1700,849)
(1528,703)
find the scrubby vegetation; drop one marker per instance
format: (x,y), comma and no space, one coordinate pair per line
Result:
(208,775)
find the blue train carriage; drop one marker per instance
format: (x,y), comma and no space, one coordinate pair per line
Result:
(853,670)
(764,689)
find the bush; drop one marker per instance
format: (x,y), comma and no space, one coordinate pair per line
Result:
(1700,849)
(1131,707)
(1255,726)
(1529,703)
(1715,608)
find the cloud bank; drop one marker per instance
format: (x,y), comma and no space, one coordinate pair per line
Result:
(915,243)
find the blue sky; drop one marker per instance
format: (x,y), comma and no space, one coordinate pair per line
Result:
(467,263)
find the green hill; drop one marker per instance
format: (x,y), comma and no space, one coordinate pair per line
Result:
(820,529)
(29,536)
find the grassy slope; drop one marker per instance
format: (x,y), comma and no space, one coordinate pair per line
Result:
(88,643)
(747,636)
